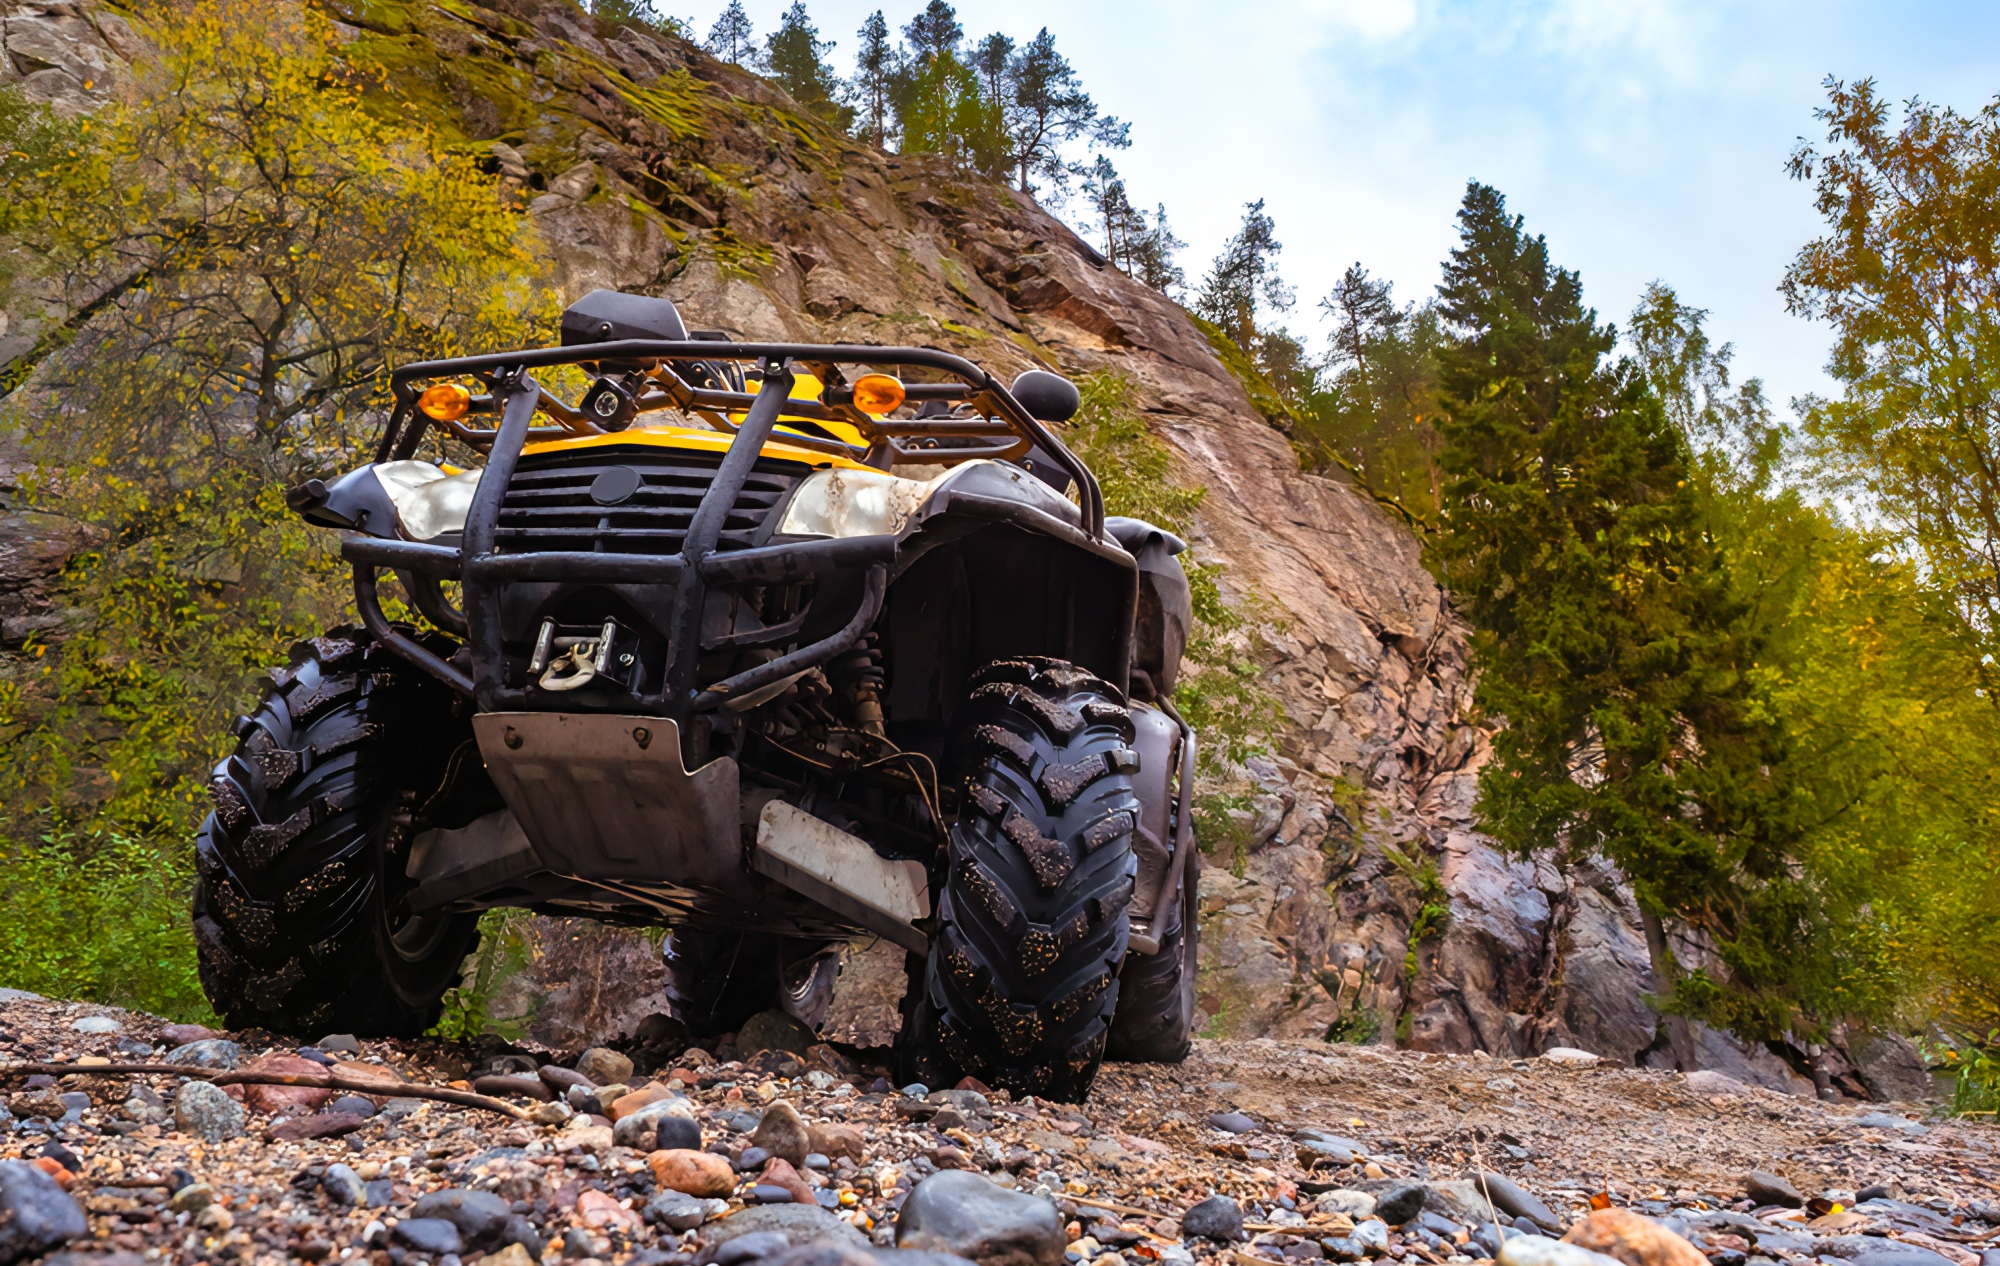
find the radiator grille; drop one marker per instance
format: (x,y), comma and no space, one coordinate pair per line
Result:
(549,507)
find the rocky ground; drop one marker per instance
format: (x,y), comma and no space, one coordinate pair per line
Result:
(1248,1152)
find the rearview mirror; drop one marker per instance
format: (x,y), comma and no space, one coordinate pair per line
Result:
(1047,397)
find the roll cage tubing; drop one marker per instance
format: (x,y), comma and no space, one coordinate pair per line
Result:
(517,398)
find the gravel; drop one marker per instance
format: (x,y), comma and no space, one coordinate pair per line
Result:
(1338,1142)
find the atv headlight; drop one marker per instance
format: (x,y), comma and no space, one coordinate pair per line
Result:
(846,502)
(429,502)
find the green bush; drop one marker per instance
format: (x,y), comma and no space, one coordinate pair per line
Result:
(102,917)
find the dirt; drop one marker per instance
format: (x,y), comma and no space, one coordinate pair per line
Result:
(1143,1145)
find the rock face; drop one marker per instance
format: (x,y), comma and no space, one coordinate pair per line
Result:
(1308,912)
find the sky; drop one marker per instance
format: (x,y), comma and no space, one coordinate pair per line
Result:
(1647,139)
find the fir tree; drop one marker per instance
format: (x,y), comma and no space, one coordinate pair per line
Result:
(1611,637)
(875,67)
(732,37)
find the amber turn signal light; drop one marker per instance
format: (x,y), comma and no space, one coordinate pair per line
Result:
(877,394)
(445,402)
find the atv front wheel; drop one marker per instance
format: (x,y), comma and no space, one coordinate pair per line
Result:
(300,915)
(1022,977)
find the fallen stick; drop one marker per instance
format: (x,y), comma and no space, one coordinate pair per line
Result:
(248,1077)
(1132,1211)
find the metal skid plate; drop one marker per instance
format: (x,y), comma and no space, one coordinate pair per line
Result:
(843,873)
(607,797)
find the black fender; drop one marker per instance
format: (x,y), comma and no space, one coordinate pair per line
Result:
(997,565)
(1165,613)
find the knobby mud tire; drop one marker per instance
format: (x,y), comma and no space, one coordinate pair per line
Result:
(298,912)
(1022,978)
(716,980)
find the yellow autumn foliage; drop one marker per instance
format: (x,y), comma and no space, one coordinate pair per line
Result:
(245,246)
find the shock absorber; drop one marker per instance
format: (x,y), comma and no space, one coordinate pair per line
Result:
(857,680)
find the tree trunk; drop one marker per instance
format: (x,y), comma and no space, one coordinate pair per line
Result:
(1665,972)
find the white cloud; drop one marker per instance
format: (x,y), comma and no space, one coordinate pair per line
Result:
(1646,138)
(1376,19)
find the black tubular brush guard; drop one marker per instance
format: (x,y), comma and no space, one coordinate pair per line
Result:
(514,394)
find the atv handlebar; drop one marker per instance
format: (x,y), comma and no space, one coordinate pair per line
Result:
(1012,431)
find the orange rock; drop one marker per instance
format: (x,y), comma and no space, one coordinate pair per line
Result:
(693,1173)
(285,1098)
(1633,1239)
(54,1169)
(601,1213)
(686,1076)
(625,1105)
(779,1173)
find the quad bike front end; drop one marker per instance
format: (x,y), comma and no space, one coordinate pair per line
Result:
(769,643)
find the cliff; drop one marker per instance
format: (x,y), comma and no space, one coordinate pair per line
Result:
(650,166)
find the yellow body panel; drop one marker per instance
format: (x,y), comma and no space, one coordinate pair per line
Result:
(696,439)
(807,386)
(692,439)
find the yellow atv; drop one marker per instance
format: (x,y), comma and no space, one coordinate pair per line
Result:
(771,644)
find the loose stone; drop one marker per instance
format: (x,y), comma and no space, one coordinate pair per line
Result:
(480,1216)
(36,1214)
(604,1067)
(1216,1218)
(206,1112)
(963,1213)
(783,1133)
(695,1173)
(342,1185)
(1769,1189)
(213,1052)
(427,1235)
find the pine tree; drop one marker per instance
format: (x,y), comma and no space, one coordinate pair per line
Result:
(934,32)
(991,58)
(1373,416)
(1144,248)
(1105,189)
(875,67)
(631,11)
(1152,255)
(795,57)
(732,37)
(1611,637)
(1047,108)
(1244,276)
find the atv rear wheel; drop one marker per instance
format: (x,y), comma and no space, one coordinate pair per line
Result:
(1154,1023)
(300,915)
(1022,977)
